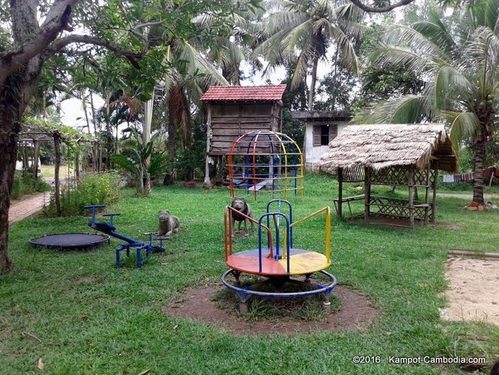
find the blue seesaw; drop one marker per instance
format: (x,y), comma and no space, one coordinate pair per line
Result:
(109,229)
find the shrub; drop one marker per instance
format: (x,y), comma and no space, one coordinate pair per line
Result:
(91,189)
(27,184)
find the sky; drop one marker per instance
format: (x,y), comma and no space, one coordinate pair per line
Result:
(72,113)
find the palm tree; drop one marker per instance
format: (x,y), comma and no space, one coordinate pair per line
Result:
(183,86)
(300,32)
(234,43)
(458,59)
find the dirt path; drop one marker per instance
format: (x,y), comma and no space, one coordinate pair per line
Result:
(27,206)
(486,197)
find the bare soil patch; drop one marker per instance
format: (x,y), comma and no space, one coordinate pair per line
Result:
(401,223)
(473,290)
(197,304)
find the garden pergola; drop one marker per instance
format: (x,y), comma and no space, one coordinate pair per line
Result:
(33,136)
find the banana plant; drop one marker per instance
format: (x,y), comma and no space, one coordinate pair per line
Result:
(140,160)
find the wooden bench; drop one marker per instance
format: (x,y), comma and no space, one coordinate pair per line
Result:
(398,208)
(347,200)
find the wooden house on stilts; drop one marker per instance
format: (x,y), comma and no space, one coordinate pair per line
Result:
(234,111)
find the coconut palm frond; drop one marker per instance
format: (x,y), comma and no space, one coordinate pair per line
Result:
(271,49)
(463,125)
(348,56)
(409,109)
(283,21)
(348,11)
(296,37)
(407,37)
(404,110)
(171,79)
(386,56)
(487,14)
(438,35)
(450,83)
(301,68)
(226,53)
(197,64)
(481,51)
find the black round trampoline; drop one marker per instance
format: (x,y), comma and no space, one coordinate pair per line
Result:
(65,241)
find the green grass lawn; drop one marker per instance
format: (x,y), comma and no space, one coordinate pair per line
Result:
(78,314)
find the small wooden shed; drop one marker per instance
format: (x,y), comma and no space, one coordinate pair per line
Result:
(395,155)
(236,110)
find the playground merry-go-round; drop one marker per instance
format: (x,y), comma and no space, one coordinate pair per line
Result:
(276,260)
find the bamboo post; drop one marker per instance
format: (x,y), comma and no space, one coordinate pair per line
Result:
(57,148)
(434,187)
(367,193)
(35,158)
(411,196)
(427,190)
(340,193)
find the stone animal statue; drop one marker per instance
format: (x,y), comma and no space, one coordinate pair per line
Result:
(242,206)
(168,224)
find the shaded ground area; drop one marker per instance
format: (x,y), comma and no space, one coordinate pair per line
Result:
(197,304)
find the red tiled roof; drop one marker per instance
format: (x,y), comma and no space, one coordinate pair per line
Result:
(244,93)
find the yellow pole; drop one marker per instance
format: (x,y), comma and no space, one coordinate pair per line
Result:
(328,228)
(328,234)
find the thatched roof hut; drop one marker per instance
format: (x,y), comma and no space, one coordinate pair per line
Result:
(381,146)
(396,155)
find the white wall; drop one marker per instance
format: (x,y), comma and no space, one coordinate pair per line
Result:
(19,164)
(313,154)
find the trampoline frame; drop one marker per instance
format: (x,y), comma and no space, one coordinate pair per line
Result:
(103,238)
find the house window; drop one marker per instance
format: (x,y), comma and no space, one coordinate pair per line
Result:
(323,134)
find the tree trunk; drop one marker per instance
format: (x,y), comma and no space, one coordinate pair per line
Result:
(36,157)
(479,148)
(146,138)
(14,97)
(172,131)
(24,152)
(9,129)
(313,83)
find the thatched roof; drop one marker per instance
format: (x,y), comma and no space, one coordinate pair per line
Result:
(381,146)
